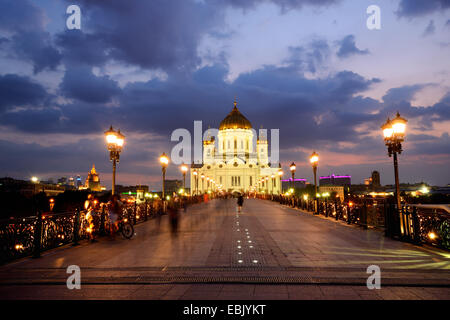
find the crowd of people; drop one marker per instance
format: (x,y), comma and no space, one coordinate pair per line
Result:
(114,211)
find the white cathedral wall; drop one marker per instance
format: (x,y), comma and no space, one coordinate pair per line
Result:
(226,145)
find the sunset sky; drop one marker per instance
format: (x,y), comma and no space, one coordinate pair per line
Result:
(309,68)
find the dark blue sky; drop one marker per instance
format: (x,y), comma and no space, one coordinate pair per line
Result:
(310,68)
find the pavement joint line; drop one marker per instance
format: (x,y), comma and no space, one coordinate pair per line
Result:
(230,282)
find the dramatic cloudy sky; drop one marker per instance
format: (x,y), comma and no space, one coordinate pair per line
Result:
(308,67)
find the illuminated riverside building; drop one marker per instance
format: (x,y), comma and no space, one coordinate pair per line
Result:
(234,163)
(334,180)
(92,181)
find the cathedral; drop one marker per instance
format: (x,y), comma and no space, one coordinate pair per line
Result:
(234,163)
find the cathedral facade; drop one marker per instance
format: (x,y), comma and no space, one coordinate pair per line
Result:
(235,163)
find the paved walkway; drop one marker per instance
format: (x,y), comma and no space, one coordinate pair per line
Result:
(267,252)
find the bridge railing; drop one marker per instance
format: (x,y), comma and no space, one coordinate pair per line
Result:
(420,224)
(21,237)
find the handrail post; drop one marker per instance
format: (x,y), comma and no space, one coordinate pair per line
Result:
(134,214)
(102,221)
(76,227)
(416,226)
(146,210)
(364,215)
(349,220)
(37,236)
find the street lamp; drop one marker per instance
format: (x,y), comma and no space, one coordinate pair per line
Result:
(184,169)
(35,181)
(195,173)
(394,134)
(293,168)
(314,160)
(114,141)
(273,180)
(164,160)
(280,174)
(203,182)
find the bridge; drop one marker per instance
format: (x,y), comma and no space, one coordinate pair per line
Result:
(269,251)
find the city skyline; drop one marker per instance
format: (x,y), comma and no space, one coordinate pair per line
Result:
(311,69)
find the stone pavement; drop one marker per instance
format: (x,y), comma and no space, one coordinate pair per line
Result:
(267,252)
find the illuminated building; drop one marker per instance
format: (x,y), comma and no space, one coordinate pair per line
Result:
(92,181)
(234,163)
(334,180)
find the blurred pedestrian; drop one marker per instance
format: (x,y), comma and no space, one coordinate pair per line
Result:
(240,202)
(173,212)
(115,213)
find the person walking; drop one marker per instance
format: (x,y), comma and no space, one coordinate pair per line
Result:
(173,212)
(240,202)
(115,213)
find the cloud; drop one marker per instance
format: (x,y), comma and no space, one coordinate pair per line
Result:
(79,48)
(20,91)
(402,94)
(283,4)
(80,83)
(415,8)
(430,29)
(310,57)
(36,47)
(28,40)
(150,34)
(20,16)
(347,47)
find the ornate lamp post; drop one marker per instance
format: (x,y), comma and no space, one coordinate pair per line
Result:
(394,134)
(114,141)
(184,169)
(280,174)
(273,180)
(164,160)
(314,160)
(293,167)
(35,181)
(203,182)
(195,173)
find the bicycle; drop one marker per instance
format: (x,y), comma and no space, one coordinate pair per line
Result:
(123,226)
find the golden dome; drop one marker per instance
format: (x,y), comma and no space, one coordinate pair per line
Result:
(235,120)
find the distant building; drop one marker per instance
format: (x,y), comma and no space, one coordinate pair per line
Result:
(376,182)
(92,181)
(286,184)
(339,190)
(334,180)
(79,182)
(29,188)
(62,181)
(172,186)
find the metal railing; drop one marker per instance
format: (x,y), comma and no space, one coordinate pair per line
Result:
(420,223)
(29,236)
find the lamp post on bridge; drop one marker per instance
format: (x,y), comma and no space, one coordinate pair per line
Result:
(273,180)
(314,160)
(184,169)
(164,160)
(115,141)
(280,174)
(195,173)
(394,134)
(203,182)
(293,167)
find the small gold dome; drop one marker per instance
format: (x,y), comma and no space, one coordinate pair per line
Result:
(235,120)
